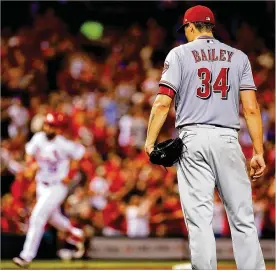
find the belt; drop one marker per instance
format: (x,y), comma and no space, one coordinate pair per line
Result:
(48,184)
(198,124)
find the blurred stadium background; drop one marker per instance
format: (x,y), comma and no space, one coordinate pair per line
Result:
(100,63)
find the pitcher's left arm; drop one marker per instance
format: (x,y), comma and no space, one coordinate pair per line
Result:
(169,85)
(158,115)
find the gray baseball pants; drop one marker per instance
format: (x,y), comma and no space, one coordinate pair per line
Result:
(213,157)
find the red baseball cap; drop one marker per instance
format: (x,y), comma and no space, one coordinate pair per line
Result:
(198,14)
(56,119)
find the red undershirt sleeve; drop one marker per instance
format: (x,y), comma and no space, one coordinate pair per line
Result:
(166,91)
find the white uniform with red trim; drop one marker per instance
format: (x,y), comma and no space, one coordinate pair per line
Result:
(207,77)
(53,157)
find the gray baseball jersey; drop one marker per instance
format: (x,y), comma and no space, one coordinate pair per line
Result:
(207,76)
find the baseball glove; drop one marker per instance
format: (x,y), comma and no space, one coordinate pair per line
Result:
(167,152)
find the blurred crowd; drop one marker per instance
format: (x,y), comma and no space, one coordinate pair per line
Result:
(108,96)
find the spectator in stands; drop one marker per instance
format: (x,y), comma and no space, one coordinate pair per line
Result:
(98,189)
(19,118)
(137,215)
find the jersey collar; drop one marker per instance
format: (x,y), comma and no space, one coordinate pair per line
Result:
(204,38)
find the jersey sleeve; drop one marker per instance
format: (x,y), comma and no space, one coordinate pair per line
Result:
(75,150)
(171,74)
(247,81)
(32,145)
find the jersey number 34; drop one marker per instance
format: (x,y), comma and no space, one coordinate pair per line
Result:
(220,85)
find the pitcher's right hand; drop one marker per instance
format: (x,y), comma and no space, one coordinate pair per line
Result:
(257,166)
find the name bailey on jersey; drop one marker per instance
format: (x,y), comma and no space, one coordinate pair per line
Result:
(212,55)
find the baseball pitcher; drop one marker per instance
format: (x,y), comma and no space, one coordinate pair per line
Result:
(57,160)
(207,79)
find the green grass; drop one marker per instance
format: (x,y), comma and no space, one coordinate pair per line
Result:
(111,264)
